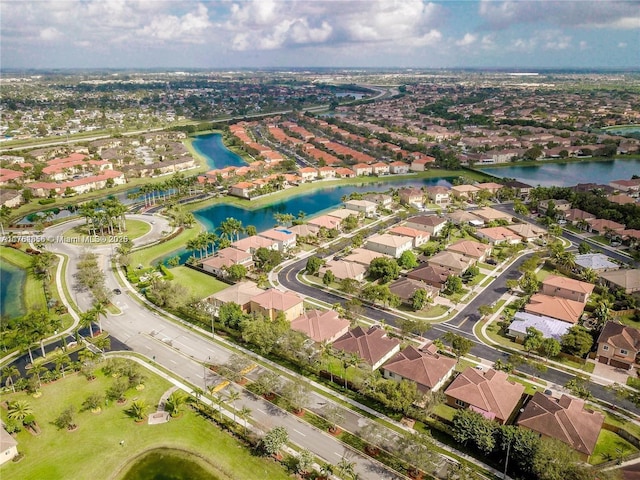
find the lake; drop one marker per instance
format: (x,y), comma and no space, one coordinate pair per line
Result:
(217,155)
(12,281)
(570,173)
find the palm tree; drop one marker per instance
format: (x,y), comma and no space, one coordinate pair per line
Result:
(61,360)
(36,370)
(19,410)
(231,228)
(86,320)
(86,356)
(326,470)
(326,351)
(219,401)
(233,396)
(589,275)
(212,239)
(99,311)
(138,409)
(351,361)
(9,372)
(345,467)
(103,343)
(175,402)
(245,414)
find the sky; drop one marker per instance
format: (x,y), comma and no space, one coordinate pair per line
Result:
(226,34)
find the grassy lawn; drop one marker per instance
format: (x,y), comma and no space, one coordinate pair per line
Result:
(445,411)
(200,284)
(610,446)
(135,229)
(148,256)
(529,388)
(456,297)
(544,272)
(434,311)
(32,292)
(95,445)
(477,279)
(621,422)
(600,239)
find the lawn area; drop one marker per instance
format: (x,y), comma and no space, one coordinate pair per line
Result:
(529,388)
(32,292)
(95,446)
(434,311)
(148,256)
(445,411)
(610,446)
(544,272)
(200,284)
(135,229)
(477,279)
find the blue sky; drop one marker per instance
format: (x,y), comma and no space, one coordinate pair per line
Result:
(316,33)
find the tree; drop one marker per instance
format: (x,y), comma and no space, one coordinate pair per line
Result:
(529,283)
(408,260)
(533,339)
(99,311)
(93,402)
(470,427)
(266,383)
(304,462)
(577,341)
(485,310)
(413,325)
(345,468)
(385,269)
(237,272)
(453,285)
(274,439)
(295,395)
(328,278)
(138,410)
(175,402)
(18,410)
(9,372)
(231,228)
(350,286)
(245,414)
(583,248)
(334,414)
(313,265)
(459,344)
(419,299)
(549,348)
(230,314)
(267,259)
(66,419)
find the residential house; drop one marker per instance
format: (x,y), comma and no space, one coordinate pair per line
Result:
(418,237)
(327,173)
(433,275)
(80,185)
(321,326)
(631,237)
(420,164)
(555,307)
(429,223)
(284,238)
(618,345)
(308,174)
(398,168)
(597,262)
(550,327)
(392,245)
(364,206)
(380,168)
(372,346)
(565,419)
(577,216)
(628,280)
(488,214)
(225,258)
(629,186)
(439,195)
(342,269)
(272,302)
(304,230)
(489,393)
(8,446)
(425,366)
(342,213)
(522,189)
(362,169)
(471,249)
(10,198)
(363,256)
(454,262)
(405,288)
(325,221)
(564,287)
(464,217)
(527,231)
(381,199)
(604,227)
(498,235)
(621,199)
(490,187)
(240,293)
(559,204)
(241,189)
(411,196)
(253,243)
(467,192)
(9,176)
(343,172)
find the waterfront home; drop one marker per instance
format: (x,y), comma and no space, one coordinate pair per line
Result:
(272,302)
(488,214)
(597,262)
(10,198)
(424,366)
(550,327)
(342,270)
(527,231)
(555,307)
(380,168)
(627,280)
(565,287)
(438,195)
(364,256)
(489,393)
(381,199)
(467,192)
(566,419)
(304,230)
(621,199)
(308,174)
(630,187)
(321,326)
(521,189)
(421,162)
(224,259)
(429,223)
(392,245)
(364,206)
(498,235)
(371,346)
(433,275)
(618,345)
(490,187)
(240,293)
(80,185)
(411,197)
(560,205)
(363,169)
(418,237)
(398,168)
(326,221)
(253,243)
(285,239)
(241,189)
(343,172)
(342,213)
(327,173)
(469,248)
(463,217)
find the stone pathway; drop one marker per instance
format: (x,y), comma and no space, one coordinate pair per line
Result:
(161,416)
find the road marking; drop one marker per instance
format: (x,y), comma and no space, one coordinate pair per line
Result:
(464,320)
(173,361)
(261,411)
(298,431)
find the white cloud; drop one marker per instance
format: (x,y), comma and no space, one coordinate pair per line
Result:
(583,45)
(468,39)
(549,40)
(622,45)
(189,28)
(51,34)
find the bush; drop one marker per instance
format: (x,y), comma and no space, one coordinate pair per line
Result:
(46,201)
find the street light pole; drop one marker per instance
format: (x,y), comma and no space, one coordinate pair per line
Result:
(506,461)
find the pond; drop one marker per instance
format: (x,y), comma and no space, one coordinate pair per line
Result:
(12,280)
(167,464)
(217,155)
(569,173)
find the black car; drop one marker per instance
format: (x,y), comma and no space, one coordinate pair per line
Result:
(491,261)
(117,291)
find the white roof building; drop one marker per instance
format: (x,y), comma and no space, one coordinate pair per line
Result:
(596,261)
(550,327)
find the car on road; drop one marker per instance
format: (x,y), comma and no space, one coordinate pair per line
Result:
(491,261)
(117,291)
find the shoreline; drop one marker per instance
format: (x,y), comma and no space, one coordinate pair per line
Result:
(540,163)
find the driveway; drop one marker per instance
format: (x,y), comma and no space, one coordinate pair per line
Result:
(617,375)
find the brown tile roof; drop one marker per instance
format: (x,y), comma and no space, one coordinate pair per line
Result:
(564,419)
(428,220)
(430,274)
(370,345)
(470,248)
(451,260)
(620,336)
(574,214)
(569,284)
(425,366)
(555,307)
(406,287)
(320,325)
(490,391)
(274,299)
(628,279)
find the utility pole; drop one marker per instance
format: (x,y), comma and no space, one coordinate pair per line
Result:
(506,461)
